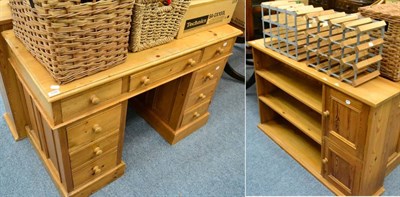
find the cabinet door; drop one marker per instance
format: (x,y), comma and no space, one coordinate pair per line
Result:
(341,169)
(345,121)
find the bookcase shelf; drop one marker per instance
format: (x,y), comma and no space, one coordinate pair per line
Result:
(295,143)
(303,90)
(301,116)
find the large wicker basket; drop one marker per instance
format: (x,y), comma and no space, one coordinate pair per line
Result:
(74,38)
(391,48)
(154,24)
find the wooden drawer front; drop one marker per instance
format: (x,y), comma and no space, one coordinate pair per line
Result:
(210,74)
(93,128)
(94,169)
(218,50)
(341,169)
(94,150)
(200,95)
(150,77)
(195,113)
(73,106)
(346,121)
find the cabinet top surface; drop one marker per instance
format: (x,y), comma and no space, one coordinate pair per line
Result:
(134,63)
(5,12)
(373,93)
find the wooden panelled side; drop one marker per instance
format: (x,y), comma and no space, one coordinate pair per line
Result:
(11,91)
(375,160)
(164,99)
(52,152)
(393,139)
(32,119)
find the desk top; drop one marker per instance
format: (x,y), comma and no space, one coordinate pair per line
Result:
(373,93)
(135,62)
(5,12)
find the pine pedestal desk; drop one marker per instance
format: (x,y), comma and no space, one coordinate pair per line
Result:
(78,129)
(347,137)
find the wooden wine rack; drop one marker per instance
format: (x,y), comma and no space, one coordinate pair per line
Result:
(348,47)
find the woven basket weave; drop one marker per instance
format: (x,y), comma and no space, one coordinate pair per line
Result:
(391,48)
(74,39)
(154,24)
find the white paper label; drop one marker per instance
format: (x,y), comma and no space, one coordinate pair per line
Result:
(325,79)
(54,87)
(370,44)
(337,84)
(53,93)
(217,68)
(225,44)
(348,102)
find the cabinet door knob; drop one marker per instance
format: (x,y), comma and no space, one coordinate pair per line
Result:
(202,96)
(326,113)
(209,76)
(94,100)
(145,80)
(325,161)
(97,151)
(97,128)
(96,170)
(191,62)
(220,50)
(196,114)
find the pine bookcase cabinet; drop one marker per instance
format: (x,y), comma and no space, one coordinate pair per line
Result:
(347,137)
(78,128)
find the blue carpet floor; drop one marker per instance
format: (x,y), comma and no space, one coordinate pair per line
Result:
(270,171)
(210,162)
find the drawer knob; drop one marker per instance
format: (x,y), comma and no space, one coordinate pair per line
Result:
(98,151)
(96,170)
(209,76)
(202,96)
(94,100)
(220,50)
(326,113)
(97,128)
(196,114)
(191,62)
(325,161)
(145,80)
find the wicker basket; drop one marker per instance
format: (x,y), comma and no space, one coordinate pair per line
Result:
(74,38)
(154,24)
(391,49)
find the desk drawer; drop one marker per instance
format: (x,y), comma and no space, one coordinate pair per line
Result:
(210,74)
(94,169)
(200,95)
(93,127)
(150,78)
(75,105)
(218,50)
(94,150)
(193,114)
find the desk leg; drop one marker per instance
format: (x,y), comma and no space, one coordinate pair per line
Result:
(11,92)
